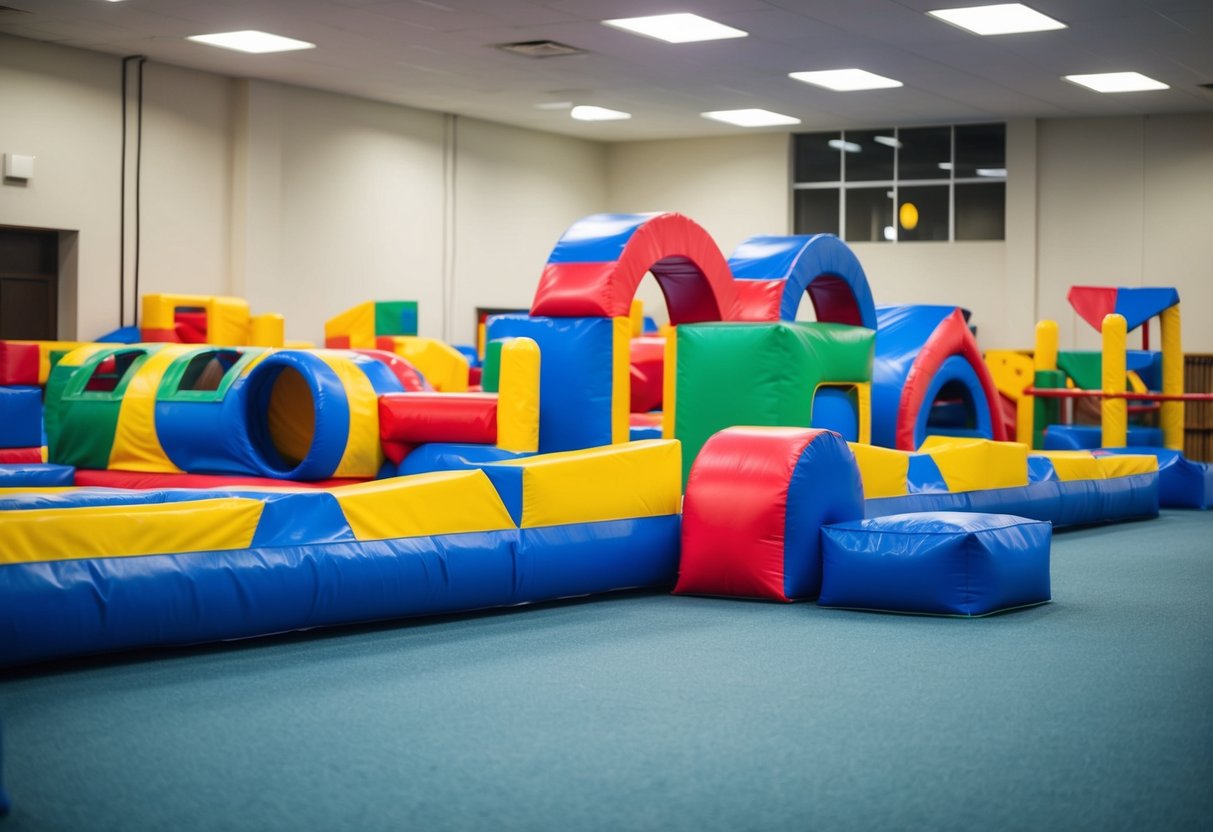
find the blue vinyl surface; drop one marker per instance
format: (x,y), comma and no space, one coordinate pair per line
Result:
(824,488)
(1182,483)
(453,456)
(36,475)
(1072,503)
(942,563)
(1090,437)
(575,377)
(801,260)
(20,417)
(599,238)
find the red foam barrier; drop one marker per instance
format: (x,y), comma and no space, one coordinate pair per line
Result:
(20,456)
(19,363)
(438,417)
(648,363)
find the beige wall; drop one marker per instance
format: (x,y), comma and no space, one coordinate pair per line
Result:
(516,192)
(61,106)
(303,202)
(1127,202)
(734,187)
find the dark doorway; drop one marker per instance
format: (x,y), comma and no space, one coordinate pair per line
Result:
(29,284)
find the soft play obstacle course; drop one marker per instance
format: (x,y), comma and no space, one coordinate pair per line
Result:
(954,474)
(766,374)
(755,504)
(208,319)
(945,563)
(90,571)
(775,273)
(929,378)
(172,408)
(507,419)
(1126,383)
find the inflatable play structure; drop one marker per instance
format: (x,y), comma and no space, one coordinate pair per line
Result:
(396,494)
(1130,386)
(207,319)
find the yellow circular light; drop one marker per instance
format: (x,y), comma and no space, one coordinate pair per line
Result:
(908,216)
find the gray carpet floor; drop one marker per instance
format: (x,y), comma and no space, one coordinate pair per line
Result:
(645,711)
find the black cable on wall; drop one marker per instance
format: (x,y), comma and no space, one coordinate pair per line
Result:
(138,178)
(122,187)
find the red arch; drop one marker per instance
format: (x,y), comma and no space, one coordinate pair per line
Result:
(689,267)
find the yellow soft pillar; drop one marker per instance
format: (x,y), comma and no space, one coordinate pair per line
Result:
(1114,411)
(518,396)
(268,330)
(1046,345)
(1044,358)
(669,383)
(1171,414)
(636,314)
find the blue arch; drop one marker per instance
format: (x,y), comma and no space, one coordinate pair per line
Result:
(820,264)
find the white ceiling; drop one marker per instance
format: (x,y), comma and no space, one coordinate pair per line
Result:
(438,55)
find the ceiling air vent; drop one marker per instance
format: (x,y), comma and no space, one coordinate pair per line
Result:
(540,49)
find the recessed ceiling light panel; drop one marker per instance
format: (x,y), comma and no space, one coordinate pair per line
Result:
(1001,19)
(751,118)
(587,112)
(251,40)
(846,80)
(1117,82)
(676,28)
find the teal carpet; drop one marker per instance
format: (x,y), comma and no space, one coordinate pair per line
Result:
(646,711)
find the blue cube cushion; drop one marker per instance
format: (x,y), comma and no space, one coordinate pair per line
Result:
(20,417)
(938,563)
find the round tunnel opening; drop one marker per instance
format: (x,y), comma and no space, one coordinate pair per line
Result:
(281,418)
(953,412)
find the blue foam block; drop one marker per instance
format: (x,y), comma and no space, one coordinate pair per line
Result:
(939,563)
(20,417)
(36,475)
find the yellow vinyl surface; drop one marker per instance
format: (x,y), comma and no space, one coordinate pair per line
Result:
(444,502)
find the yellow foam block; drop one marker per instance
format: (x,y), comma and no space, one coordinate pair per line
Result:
(443,366)
(363,455)
(610,482)
(136,446)
(621,380)
(268,330)
(131,530)
(358,323)
(883,470)
(1126,465)
(1073,465)
(978,464)
(444,502)
(518,396)
(1012,371)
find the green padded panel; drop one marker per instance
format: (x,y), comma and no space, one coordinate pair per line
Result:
(396,317)
(759,374)
(1086,368)
(490,368)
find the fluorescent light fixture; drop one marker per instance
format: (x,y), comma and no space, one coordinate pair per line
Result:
(1117,82)
(676,28)
(251,40)
(945,165)
(554,105)
(750,118)
(846,147)
(887,141)
(1002,19)
(587,112)
(999,172)
(845,80)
